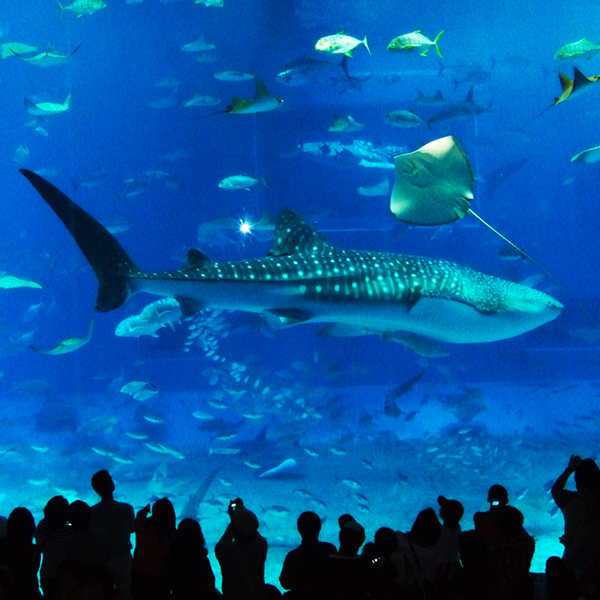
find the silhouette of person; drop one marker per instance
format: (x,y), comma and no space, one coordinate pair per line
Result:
(485,522)
(389,576)
(72,579)
(50,535)
(570,503)
(511,552)
(477,579)
(559,582)
(583,557)
(303,569)
(448,553)
(86,545)
(242,553)
(20,557)
(348,575)
(150,576)
(419,545)
(117,520)
(192,575)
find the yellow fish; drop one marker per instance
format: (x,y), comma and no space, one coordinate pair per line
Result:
(340,44)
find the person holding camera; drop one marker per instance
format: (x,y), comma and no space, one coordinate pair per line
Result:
(486,522)
(242,553)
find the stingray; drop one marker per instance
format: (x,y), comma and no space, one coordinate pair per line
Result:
(48,58)
(570,88)
(434,186)
(263,101)
(69,344)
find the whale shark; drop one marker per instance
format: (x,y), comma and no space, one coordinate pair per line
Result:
(304,279)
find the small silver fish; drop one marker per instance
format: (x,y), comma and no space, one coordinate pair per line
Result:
(240,182)
(404,118)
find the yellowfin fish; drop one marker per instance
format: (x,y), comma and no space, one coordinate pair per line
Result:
(82,7)
(579,48)
(340,44)
(414,42)
(70,344)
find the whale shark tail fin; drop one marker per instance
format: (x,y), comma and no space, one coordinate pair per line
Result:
(108,259)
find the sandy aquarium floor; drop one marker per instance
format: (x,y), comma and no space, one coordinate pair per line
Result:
(352,457)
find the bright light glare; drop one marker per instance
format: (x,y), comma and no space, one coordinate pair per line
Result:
(245,227)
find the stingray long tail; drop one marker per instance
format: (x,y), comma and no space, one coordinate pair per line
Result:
(524,254)
(108,259)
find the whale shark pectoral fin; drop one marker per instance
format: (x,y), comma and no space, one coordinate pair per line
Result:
(189,306)
(425,304)
(291,316)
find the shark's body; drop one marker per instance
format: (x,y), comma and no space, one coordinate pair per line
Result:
(305,279)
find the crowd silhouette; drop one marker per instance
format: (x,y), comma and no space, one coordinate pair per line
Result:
(84,553)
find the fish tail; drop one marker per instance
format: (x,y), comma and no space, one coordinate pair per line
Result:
(108,259)
(61,8)
(437,39)
(366,45)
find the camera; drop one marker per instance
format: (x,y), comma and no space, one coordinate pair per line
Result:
(495,502)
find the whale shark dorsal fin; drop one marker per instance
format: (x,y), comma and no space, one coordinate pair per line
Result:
(196,259)
(294,235)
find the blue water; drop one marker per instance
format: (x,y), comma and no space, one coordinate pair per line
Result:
(507,412)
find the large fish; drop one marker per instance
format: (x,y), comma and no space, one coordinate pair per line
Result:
(304,279)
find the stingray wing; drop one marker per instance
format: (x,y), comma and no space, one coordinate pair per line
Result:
(434,185)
